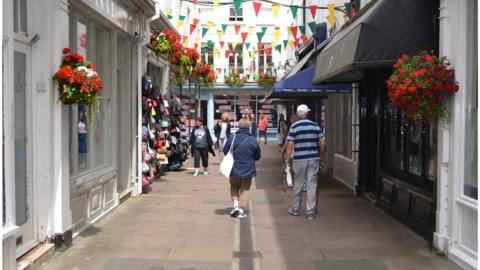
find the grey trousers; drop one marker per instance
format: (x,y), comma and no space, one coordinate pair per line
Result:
(305,171)
(221,144)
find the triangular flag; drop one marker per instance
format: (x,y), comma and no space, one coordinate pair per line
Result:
(275,9)
(237,4)
(192,28)
(331,15)
(227,54)
(219,70)
(252,54)
(244,36)
(311,25)
(260,46)
(195,21)
(215,3)
(276,33)
(234,45)
(285,43)
(168,13)
(256,7)
(197,40)
(267,50)
(294,10)
(302,29)
(279,48)
(185,41)
(291,43)
(247,45)
(224,28)
(297,41)
(181,17)
(303,38)
(209,44)
(264,29)
(196,46)
(313,10)
(222,43)
(209,25)
(251,29)
(293,30)
(180,21)
(219,34)
(260,36)
(204,31)
(237,28)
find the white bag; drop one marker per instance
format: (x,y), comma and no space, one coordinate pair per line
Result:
(288,177)
(226,165)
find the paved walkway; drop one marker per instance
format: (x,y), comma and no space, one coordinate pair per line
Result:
(183,224)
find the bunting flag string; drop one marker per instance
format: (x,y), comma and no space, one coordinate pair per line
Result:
(209,25)
(237,4)
(237,28)
(275,9)
(227,53)
(219,34)
(195,22)
(285,43)
(251,29)
(294,10)
(256,7)
(311,25)
(313,11)
(303,38)
(204,31)
(215,3)
(279,48)
(168,13)
(297,41)
(192,28)
(234,45)
(264,29)
(247,45)
(244,36)
(302,29)
(222,43)
(331,15)
(180,20)
(293,30)
(260,36)
(224,28)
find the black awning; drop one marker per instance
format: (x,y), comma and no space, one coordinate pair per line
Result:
(384,31)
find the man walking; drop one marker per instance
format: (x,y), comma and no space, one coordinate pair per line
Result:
(306,142)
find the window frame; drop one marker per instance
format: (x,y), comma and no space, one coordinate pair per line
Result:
(344,126)
(206,54)
(235,16)
(236,58)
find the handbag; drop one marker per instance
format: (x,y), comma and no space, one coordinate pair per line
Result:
(288,177)
(226,165)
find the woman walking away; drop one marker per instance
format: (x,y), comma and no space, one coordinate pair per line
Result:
(282,131)
(253,123)
(262,127)
(201,142)
(222,131)
(246,151)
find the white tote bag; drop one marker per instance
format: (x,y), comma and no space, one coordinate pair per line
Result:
(288,177)
(226,165)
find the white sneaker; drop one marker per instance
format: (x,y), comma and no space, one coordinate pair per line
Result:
(235,211)
(241,214)
(205,174)
(195,174)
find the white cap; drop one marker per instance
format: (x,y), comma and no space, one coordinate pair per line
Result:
(302,109)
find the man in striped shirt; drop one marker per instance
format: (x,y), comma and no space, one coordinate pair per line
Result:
(306,142)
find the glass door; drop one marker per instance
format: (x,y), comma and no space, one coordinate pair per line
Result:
(22,150)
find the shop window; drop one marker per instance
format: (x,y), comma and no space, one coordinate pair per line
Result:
(265,63)
(155,74)
(90,141)
(408,149)
(207,53)
(235,59)
(20,16)
(343,137)
(236,15)
(471,107)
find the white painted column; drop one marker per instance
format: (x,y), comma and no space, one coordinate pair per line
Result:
(210,110)
(61,176)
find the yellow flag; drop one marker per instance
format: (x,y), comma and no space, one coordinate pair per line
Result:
(197,40)
(209,25)
(331,20)
(276,33)
(179,24)
(331,15)
(275,9)
(153,112)
(185,41)
(292,44)
(234,45)
(252,54)
(272,44)
(215,3)
(219,34)
(250,29)
(216,52)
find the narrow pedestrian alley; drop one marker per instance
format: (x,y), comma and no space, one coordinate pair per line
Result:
(184,223)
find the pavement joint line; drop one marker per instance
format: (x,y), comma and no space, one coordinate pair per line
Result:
(236,245)
(256,262)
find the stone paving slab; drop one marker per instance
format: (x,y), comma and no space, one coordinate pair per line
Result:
(139,264)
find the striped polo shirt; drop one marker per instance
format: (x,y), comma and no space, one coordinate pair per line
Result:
(305,136)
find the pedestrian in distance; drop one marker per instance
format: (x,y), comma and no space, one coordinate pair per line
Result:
(262,127)
(253,127)
(282,131)
(222,131)
(246,152)
(201,143)
(306,142)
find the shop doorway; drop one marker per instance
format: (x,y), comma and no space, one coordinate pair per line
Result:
(22,134)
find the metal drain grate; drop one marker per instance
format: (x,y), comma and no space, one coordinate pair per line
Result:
(247,254)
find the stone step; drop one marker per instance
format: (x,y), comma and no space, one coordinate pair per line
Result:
(35,257)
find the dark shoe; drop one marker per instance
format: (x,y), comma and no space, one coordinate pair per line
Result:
(235,211)
(310,217)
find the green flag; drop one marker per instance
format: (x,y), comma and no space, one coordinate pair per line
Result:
(181,17)
(311,25)
(264,29)
(237,4)
(279,48)
(224,28)
(169,16)
(294,10)
(210,44)
(247,44)
(204,31)
(260,36)
(285,43)
(302,29)
(348,7)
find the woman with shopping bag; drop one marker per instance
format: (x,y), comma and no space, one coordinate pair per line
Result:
(244,149)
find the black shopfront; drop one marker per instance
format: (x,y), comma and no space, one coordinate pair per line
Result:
(397,157)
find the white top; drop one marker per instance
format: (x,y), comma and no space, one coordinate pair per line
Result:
(223,131)
(82,128)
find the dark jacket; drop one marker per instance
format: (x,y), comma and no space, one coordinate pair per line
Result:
(218,128)
(209,140)
(245,153)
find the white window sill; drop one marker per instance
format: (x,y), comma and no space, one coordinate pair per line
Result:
(9,230)
(106,172)
(467,202)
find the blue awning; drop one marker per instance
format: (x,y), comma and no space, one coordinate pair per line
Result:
(302,83)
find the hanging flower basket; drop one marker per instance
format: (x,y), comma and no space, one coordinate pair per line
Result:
(421,85)
(78,82)
(205,74)
(266,81)
(234,80)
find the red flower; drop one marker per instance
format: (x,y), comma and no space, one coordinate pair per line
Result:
(77,58)
(419,84)
(66,50)
(84,88)
(65,72)
(91,66)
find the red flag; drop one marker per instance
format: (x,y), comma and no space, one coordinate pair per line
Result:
(313,10)
(195,21)
(303,38)
(196,46)
(227,54)
(294,29)
(222,43)
(237,28)
(256,7)
(192,28)
(267,50)
(219,70)
(297,40)
(244,37)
